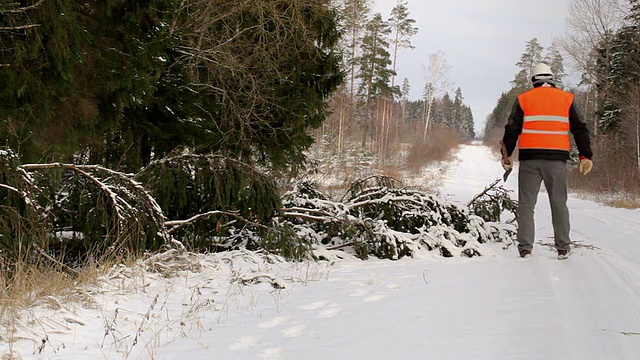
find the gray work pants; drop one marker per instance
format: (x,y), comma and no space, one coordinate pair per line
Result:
(554,174)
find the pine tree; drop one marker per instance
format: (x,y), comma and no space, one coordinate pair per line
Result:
(498,117)
(457,110)
(531,56)
(404,90)
(354,19)
(402,30)
(467,129)
(447,112)
(463,118)
(373,68)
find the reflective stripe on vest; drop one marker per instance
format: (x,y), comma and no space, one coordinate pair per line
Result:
(546,119)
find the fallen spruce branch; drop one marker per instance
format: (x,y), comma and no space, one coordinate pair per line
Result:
(177,224)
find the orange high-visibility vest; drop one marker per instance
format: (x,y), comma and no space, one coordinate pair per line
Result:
(546,119)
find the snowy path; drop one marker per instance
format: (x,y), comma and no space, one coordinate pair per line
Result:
(497,306)
(592,302)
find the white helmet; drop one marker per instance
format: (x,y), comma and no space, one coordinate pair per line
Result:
(541,73)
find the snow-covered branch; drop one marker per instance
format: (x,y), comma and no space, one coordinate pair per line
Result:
(176,224)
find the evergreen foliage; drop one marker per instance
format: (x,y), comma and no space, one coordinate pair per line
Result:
(97,209)
(374,61)
(123,85)
(23,221)
(454,114)
(354,17)
(532,55)
(378,217)
(263,71)
(500,113)
(74,210)
(40,87)
(623,80)
(492,202)
(188,185)
(402,29)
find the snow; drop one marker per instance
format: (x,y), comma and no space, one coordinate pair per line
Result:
(241,305)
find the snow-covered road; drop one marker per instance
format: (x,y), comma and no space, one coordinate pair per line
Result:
(592,302)
(497,306)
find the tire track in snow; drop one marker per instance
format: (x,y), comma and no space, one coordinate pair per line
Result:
(625,275)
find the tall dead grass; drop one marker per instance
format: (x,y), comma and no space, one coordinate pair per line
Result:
(438,147)
(34,280)
(615,178)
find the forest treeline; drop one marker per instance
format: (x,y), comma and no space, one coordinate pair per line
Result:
(373,109)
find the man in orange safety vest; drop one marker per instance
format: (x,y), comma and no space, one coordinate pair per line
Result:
(540,124)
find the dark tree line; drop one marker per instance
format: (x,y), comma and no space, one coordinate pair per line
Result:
(121,83)
(450,113)
(110,108)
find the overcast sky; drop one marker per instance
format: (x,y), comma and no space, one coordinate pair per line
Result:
(482,40)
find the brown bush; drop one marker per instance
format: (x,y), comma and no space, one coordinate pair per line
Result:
(440,141)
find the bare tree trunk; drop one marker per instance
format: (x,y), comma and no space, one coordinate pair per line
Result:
(341,130)
(427,117)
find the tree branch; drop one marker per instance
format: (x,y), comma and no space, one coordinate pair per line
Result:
(176,224)
(19,27)
(21,9)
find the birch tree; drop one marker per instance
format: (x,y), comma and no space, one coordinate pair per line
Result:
(437,82)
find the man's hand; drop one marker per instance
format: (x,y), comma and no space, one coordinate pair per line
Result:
(585,165)
(507,164)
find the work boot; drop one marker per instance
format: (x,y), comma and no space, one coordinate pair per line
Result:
(563,254)
(524,253)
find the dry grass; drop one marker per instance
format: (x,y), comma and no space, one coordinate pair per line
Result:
(631,203)
(615,178)
(408,162)
(438,147)
(34,281)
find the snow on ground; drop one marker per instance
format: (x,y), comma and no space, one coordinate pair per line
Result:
(247,306)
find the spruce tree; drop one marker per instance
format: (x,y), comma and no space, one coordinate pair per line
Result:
(263,71)
(555,61)
(43,99)
(623,80)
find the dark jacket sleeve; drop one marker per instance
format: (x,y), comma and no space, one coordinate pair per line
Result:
(580,133)
(513,129)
